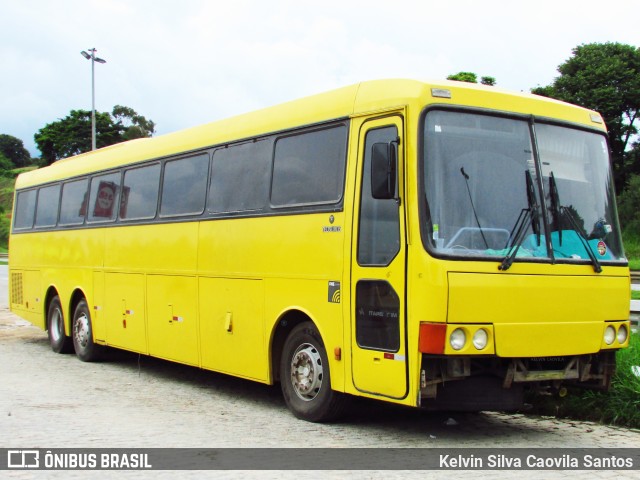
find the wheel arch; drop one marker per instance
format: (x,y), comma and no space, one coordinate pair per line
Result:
(52,291)
(287,321)
(76,296)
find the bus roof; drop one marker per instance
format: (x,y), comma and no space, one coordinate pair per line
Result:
(354,100)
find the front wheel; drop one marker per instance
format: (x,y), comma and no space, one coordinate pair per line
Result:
(82,332)
(305,378)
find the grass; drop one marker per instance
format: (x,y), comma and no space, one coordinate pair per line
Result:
(635,295)
(619,406)
(632,250)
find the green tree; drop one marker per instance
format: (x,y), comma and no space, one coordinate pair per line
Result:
(13,149)
(72,135)
(471,77)
(491,81)
(133,125)
(628,209)
(5,163)
(468,77)
(605,77)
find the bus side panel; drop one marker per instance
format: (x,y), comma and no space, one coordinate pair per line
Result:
(137,302)
(165,248)
(232,327)
(321,301)
(297,256)
(172,318)
(26,297)
(125,311)
(67,257)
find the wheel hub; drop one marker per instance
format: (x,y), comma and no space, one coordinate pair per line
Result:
(81,330)
(306,372)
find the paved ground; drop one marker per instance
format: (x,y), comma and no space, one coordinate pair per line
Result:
(51,401)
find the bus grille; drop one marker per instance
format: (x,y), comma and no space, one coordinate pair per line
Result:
(16,288)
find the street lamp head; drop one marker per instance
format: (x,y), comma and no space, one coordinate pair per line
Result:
(85,55)
(100,60)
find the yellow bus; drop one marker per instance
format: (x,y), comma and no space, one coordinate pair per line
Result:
(438,245)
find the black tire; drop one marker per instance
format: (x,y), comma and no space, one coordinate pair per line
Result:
(58,340)
(305,378)
(82,334)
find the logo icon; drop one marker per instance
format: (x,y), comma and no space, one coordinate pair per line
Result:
(23,459)
(602,248)
(334,292)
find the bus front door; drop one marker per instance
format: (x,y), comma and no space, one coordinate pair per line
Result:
(378,329)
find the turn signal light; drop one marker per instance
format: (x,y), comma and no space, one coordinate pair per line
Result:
(432,337)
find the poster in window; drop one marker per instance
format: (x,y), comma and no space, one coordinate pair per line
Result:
(103,207)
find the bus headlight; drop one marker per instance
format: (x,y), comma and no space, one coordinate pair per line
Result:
(622,334)
(457,339)
(609,335)
(480,339)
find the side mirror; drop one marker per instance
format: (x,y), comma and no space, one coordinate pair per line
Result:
(383,171)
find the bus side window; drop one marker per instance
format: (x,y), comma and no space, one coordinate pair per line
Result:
(104,195)
(47,206)
(379,228)
(72,204)
(239,177)
(140,192)
(25,209)
(377,316)
(184,186)
(309,168)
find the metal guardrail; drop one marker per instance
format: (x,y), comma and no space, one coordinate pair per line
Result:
(635,310)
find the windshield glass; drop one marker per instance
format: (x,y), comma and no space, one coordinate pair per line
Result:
(483,192)
(576,173)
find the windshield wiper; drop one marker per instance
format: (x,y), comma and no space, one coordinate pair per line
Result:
(466,179)
(519,229)
(555,207)
(558,211)
(583,237)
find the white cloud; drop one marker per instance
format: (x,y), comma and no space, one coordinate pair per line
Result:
(186,62)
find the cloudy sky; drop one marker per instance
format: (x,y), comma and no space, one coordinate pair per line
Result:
(186,62)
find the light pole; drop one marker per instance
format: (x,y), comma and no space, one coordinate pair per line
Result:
(93,59)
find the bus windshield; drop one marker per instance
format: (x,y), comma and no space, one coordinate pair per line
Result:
(490,194)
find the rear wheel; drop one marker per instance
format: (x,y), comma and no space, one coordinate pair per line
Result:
(82,331)
(305,378)
(60,343)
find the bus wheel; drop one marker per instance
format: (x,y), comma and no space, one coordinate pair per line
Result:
(60,343)
(305,377)
(86,349)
